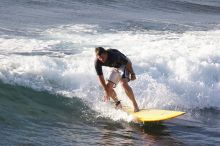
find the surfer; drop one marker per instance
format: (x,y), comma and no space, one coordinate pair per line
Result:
(122,71)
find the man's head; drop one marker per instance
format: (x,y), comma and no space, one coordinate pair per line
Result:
(101,54)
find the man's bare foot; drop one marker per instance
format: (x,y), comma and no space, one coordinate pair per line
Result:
(136,109)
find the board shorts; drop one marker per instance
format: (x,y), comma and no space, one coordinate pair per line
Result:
(119,73)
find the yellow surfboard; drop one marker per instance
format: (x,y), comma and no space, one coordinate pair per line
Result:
(152,115)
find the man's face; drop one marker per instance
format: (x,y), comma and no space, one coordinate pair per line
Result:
(102,57)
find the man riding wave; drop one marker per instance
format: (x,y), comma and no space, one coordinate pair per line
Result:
(122,71)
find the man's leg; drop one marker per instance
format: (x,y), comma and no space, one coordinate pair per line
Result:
(113,94)
(129,92)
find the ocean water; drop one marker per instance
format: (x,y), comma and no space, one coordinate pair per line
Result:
(49,92)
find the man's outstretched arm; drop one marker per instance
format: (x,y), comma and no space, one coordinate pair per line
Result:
(98,68)
(107,91)
(102,81)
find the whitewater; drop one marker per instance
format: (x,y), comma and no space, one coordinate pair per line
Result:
(173,70)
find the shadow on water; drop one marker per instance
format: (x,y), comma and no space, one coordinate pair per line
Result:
(156,133)
(123,133)
(154,128)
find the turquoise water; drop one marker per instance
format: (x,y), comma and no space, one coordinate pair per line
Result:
(29,117)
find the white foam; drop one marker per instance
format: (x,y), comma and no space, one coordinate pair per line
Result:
(173,70)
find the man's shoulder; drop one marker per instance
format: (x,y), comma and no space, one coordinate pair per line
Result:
(112,50)
(115,52)
(97,62)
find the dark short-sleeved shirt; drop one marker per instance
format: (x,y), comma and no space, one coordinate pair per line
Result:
(115,59)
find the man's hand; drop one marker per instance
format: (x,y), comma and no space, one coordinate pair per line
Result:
(106,92)
(133,76)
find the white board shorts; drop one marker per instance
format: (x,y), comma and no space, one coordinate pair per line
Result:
(119,73)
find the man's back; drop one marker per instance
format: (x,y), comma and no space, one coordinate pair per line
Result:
(115,59)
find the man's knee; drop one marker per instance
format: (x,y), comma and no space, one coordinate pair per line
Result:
(124,84)
(110,85)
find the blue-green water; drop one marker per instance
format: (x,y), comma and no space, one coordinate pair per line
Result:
(29,117)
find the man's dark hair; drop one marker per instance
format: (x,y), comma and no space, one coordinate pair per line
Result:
(100,50)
